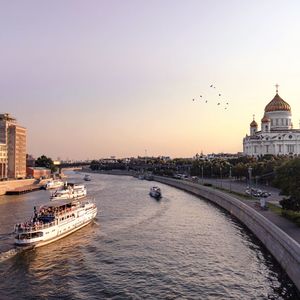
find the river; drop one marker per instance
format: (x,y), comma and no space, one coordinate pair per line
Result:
(181,247)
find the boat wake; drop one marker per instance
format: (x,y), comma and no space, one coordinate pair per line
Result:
(9,254)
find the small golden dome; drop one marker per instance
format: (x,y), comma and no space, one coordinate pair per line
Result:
(253,124)
(265,119)
(277,104)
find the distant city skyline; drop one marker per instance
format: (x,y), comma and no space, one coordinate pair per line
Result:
(91,79)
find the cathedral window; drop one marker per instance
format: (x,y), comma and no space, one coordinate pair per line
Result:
(286,122)
(290,148)
(255,149)
(272,123)
(276,122)
(267,148)
(279,148)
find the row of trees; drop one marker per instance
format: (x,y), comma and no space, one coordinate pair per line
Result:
(262,169)
(288,180)
(280,171)
(45,162)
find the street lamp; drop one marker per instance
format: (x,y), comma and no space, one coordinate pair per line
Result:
(202,173)
(250,176)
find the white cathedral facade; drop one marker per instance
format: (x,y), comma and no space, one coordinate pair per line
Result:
(277,135)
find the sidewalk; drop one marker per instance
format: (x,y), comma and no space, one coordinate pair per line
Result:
(284,224)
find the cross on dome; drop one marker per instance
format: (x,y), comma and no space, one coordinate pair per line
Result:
(277,86)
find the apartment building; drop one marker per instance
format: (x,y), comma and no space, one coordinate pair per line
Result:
(13,141)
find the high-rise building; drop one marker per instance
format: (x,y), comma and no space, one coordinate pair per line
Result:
(13,138)
(6,120)
(3,161)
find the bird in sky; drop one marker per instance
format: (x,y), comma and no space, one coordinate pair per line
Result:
(219,95)
(219,103)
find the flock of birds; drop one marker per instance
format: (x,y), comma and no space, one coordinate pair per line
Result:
(220,102)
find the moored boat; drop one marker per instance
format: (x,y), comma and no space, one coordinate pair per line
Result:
(155,192)
(54,221)
(71,191)
(54,184)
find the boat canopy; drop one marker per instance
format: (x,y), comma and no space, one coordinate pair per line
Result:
(58,203)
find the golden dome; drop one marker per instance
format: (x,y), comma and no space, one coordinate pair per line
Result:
(253,124)
(277,104)
(265,119)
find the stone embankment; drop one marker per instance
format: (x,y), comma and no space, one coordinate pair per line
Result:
(13,184)
(17,184)
(285,249)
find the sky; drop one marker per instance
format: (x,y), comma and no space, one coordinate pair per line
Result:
(92,79)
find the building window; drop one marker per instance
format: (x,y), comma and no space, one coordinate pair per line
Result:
(276,122)
(290,148)
(255,149)
(266,127)
(279,148)
(267,148)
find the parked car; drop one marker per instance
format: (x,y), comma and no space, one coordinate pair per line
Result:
(257,192)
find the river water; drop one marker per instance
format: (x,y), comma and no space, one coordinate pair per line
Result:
(181,247)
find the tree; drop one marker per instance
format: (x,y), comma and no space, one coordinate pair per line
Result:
(45,162)
(288,180)
(94,165)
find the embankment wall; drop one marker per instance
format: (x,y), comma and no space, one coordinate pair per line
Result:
(12,184)
(285,250)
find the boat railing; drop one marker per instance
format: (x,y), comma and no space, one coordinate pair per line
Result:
(20,228)
(27,227)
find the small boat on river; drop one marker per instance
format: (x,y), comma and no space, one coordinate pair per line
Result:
(54,221)
(54,184)
(87,177)
(155,192)
(71,191)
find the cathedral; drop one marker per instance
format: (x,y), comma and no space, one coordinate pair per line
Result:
(277,135)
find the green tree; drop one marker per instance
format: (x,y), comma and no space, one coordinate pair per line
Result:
(288,180)
(45,162)
(94,165)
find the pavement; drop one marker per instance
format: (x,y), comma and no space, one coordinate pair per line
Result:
(290,228)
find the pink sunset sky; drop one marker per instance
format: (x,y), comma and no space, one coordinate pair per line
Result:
(91,79)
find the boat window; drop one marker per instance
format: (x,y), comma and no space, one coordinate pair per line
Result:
(46,219)
(26,236)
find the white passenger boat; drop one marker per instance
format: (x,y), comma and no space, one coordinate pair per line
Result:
(54,221)
(87,177)
(71,191)
(155,192)
(54,184)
